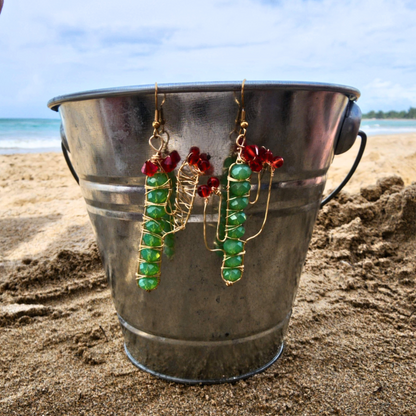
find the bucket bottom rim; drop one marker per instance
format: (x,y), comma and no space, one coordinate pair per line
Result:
(191,381)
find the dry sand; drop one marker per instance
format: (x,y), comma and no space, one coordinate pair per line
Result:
(350,347)
(384,156)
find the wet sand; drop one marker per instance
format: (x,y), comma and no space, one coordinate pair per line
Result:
(350,348)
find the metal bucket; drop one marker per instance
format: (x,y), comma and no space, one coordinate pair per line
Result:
(193,328)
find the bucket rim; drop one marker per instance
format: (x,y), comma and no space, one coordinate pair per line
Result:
(191,87)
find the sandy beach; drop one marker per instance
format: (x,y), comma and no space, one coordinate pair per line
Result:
(350,347)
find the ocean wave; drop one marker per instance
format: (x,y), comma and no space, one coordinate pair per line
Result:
(373,130)
(29,135)
(30,143)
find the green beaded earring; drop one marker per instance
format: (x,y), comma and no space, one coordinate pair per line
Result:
(168,201)
(157,226)
(235,197)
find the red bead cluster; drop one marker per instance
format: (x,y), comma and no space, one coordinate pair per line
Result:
(200,160)
(258,157)
(168,164)
(204,191)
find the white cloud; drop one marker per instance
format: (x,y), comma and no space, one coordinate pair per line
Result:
(82,45)
(390,95)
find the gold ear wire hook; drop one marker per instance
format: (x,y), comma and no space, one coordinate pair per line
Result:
(156,94)
(236,99)
(161,116)
(163,102)
(243,122)
(242,93)
(162,122)
(156,123)
(238,118)
(240,141)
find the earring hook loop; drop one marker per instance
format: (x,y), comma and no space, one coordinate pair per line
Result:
(156,124)
(241,112)
(241,138)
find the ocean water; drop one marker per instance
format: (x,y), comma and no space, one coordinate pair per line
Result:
(29,135)
(42,135)
(379,127)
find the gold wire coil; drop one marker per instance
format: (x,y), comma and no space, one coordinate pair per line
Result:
(186,185)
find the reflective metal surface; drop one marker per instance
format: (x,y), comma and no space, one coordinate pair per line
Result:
(205,380)
(193,328)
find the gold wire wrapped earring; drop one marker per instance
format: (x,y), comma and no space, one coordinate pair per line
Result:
(157,227)
(239,168)
(168,200)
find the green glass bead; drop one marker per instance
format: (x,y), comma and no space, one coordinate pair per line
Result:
(222,220)
(234,261)
(169,251)
(170,240)
(158,196)
(228,162)
(149,269)
(153,227)
(148,283)
(219,245)
(240,188)
(237,218)
(155,211)
(231,274)
(150,255)
(151,240)
(241,172)
(236,232)
(221,231)
(166,225)
(233,246)
(158,179)
(237,204)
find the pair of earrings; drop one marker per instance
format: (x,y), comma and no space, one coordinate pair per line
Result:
(169,199)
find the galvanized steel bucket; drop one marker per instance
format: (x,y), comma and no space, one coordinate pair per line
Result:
(193,328)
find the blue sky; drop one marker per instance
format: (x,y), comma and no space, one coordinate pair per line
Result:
(49,47)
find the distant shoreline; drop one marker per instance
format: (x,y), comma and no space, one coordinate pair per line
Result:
(391,115)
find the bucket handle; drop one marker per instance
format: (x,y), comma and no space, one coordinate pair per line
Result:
(66,151)
(334,193)
(68,162)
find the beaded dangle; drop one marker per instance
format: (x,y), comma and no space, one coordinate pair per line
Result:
(235,197)
(168,201)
